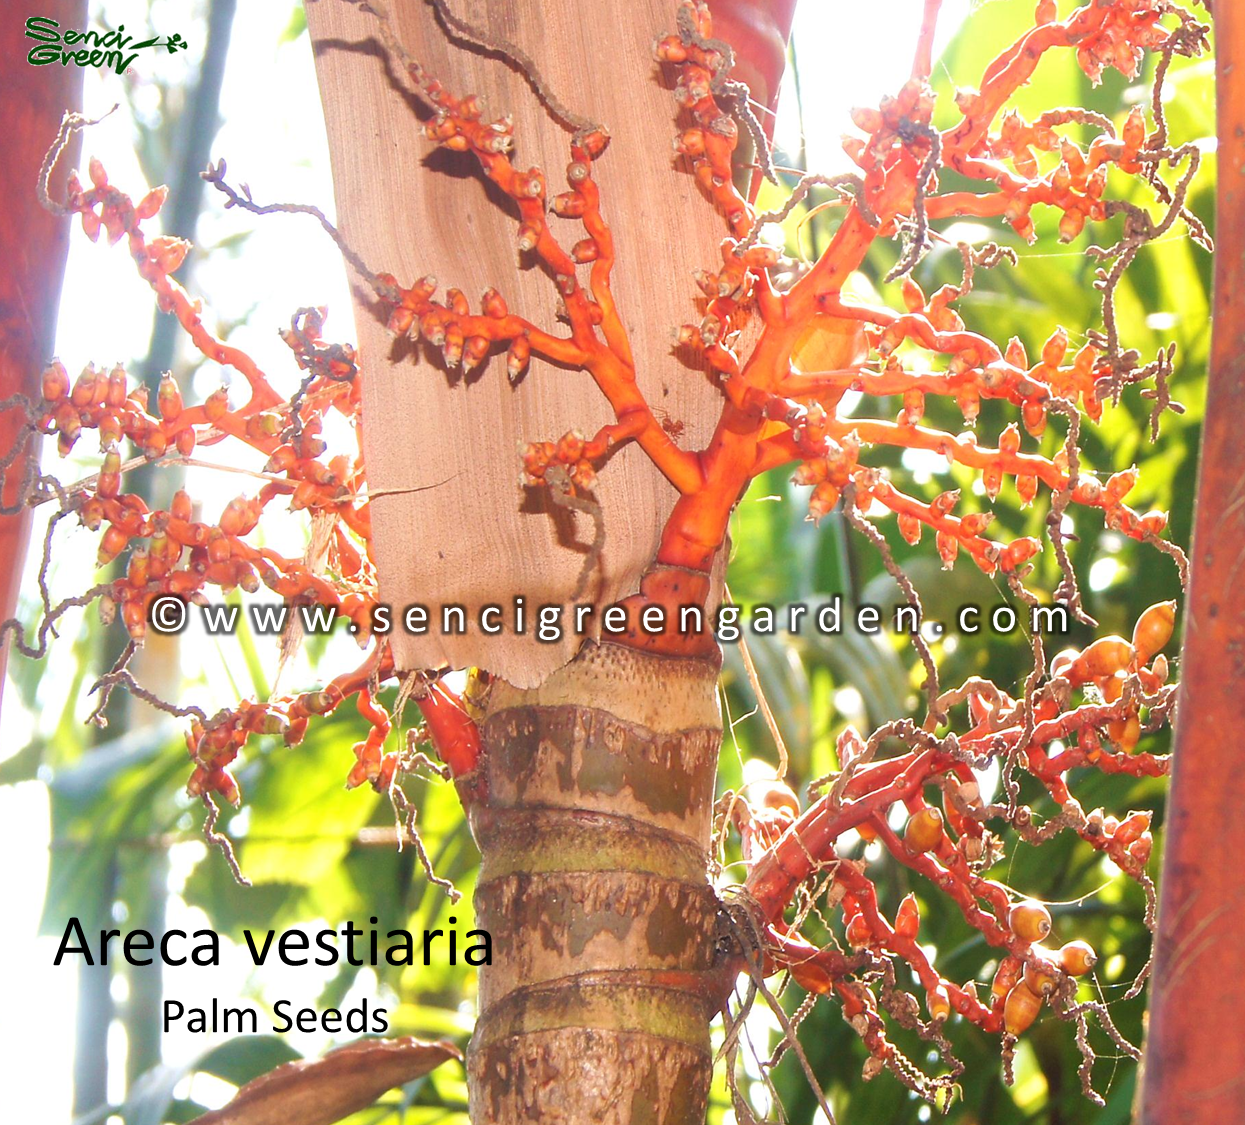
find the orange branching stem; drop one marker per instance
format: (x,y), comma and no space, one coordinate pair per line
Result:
(923,62)
(1087,710)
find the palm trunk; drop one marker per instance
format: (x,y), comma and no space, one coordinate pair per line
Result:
(593,810)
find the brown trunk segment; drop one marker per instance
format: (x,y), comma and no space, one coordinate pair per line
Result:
(593,810)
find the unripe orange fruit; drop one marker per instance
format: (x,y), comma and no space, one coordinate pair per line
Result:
(777,795)
(1132,827)
(1153,630)
(939,1004)
(1029,921)
(1021,1009)
(1077,958)
(1040,976)
(1103,658)
(924,830)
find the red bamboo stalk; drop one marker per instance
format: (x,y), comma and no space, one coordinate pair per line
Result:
(1195,1057)
(33,247)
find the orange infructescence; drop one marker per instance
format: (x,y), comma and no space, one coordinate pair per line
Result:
(1116,677)
(773,412)
(214,745)
(173,552)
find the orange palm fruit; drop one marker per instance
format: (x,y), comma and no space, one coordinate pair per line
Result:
(1029,921)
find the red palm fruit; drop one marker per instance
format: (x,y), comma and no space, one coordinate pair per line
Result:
(517,357)
(306,495)
(858,933)
(908,917)
(1055,348)
(167,252)
(155,444)
(825,496)
(118,387)
(281,460)
(265,424)
(216,405)
(139,569)
(218,548)
(948,548)
(240,516)
(110,430)
(149,206)
(913,407)
(493,304)
(135,618)
(169,398)
(186,441)
(111,544)
(1121,484)
(55,381)
(84,387)
(529,235)
(1033,414)
(1132,827)
(474,350)
(109,482)
(1141,848)
(1006,976)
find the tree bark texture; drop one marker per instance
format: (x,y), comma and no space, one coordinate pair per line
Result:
(1195,1053)
(592,810)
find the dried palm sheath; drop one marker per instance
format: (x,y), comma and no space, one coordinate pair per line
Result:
(451,522)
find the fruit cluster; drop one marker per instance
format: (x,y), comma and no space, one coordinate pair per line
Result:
(781,405)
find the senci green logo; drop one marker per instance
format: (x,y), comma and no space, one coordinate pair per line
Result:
(112,49)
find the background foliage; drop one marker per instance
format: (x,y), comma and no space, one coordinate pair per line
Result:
(320,855)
